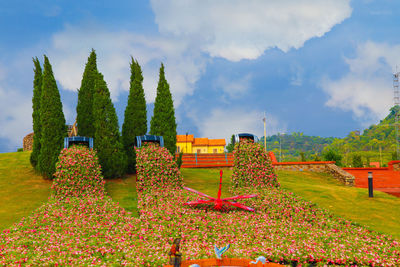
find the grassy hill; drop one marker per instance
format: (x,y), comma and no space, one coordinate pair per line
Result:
(22,191)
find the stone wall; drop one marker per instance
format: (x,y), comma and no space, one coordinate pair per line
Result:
(340,174)
(318,166)
(27,142)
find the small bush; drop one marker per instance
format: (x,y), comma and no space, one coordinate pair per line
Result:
(179,160)
(78,173)
(332,155)
(156,168)
(20,149)
(252,166)
(357,161)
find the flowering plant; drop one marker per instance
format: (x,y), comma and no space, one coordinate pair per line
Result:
(78,173)
(156,168)
(252,166)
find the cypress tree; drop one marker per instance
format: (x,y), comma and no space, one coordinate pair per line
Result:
(106,132)
(52,123)
(37,91)
(163,121)
(84,108)
(135,120)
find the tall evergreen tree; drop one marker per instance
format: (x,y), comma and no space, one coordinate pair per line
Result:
(163,121)
(52,123)
(37,91)
(106,132)
(84,108)
(135,121)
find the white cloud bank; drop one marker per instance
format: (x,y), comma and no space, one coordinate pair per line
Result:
(70,48)
(367,89)
(222,123)
(231,29)
(237,29)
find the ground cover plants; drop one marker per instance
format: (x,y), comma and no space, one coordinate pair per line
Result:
(252,166)
(94,230)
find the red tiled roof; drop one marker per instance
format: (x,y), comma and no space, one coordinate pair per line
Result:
(216,142)
(184,138)
(200,142)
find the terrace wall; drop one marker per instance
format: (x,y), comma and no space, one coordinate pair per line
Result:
(318,166)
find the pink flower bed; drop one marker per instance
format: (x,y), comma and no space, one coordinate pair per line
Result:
(93,230)
(78,173)
(252,166)
(156,168)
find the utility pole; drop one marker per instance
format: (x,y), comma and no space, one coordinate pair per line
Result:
(280,148)
(265,134)
(396,103)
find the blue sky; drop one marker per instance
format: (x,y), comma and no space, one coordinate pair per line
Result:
(321,67)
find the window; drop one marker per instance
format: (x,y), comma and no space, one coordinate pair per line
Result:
(178,148)
(198,151)
(215,150)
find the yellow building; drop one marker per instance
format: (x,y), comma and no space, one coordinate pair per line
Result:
(189,144)
(184,143)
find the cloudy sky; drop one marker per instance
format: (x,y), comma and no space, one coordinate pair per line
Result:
(321,67)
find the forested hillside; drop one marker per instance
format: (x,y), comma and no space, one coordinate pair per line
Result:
(375,144)
(290,147)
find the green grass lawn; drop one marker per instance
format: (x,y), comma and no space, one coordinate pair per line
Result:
(207,180)
(381,213)
(21,189)
(123,191)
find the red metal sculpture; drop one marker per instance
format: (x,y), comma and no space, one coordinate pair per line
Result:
(218,202)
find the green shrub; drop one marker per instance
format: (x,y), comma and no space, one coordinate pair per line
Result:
(332,155)
(179,160)
(357,161)
(20,149)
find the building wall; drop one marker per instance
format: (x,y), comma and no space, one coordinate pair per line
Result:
(220,149)
(183,146)
(203,149)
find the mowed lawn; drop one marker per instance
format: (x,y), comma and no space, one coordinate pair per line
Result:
(21,189)
(380,213)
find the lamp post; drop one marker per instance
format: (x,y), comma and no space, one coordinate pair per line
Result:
(265,134)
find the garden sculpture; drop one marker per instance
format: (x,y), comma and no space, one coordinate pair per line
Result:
(218,202)
(262,259)
(174,254)
(220,251)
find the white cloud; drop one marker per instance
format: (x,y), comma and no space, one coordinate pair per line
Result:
(222,123)
(15,115)
(70,48)
(234,88)
(367,89)
(236,29)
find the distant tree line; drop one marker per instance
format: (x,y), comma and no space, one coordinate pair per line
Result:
(97,118)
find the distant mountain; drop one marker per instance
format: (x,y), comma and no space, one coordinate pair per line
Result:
(377,143)
(288,147)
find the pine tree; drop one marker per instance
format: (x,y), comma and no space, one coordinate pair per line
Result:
(52,123)
(163,121)
(84,108)
(231,145)
(135,121)
(37,91)
(106,135)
